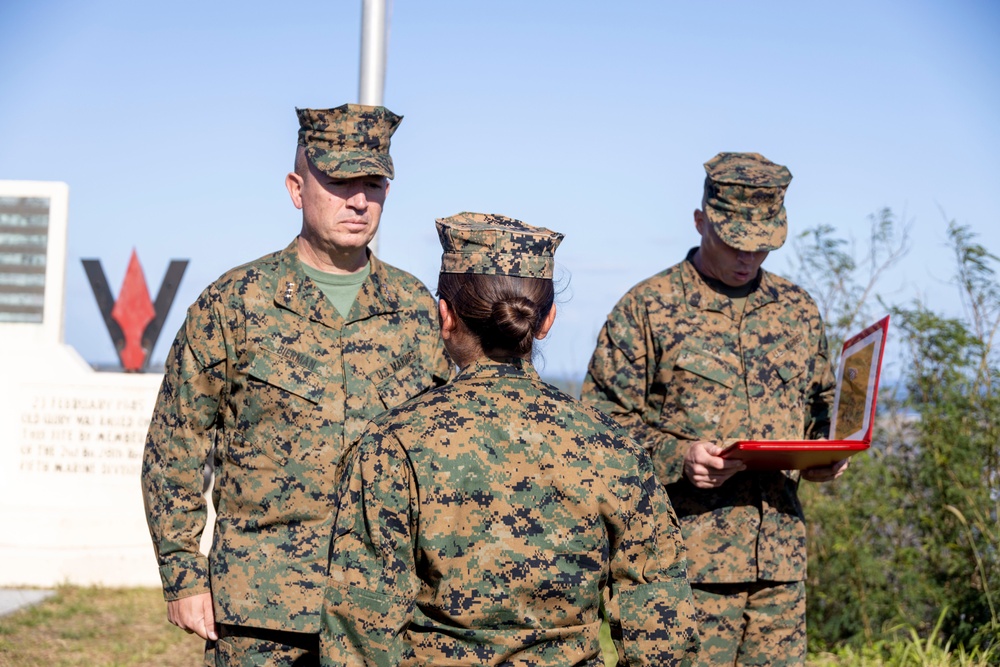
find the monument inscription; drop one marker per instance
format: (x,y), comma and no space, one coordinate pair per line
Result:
(69,430)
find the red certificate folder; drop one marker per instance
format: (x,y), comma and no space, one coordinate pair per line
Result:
(853,413)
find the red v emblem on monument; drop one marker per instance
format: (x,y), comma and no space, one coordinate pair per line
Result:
(133,320)
(133,311)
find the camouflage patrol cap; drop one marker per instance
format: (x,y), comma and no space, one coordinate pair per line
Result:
(744,200)
(490,244)
(349,141)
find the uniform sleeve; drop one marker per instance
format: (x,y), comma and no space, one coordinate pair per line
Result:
(180,437)
(618,383)
(650,608)
(372,586)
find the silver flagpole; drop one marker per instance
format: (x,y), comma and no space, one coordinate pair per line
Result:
(371,88)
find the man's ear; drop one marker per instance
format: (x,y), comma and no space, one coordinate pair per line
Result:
(550,317)
(293,183)
(700,222)
(447,319)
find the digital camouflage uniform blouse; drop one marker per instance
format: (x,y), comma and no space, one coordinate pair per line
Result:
(266,370)
(674,363)
(482,523)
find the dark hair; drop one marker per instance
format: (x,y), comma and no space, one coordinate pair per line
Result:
(301,162)
(503,312)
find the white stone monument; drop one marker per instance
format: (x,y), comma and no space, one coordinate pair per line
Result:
(71,438)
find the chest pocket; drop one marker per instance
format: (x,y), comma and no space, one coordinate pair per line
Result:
(402,378)
(708,366)
(276,370)
(780,381)
(786,362)
(279,400)
(701,385)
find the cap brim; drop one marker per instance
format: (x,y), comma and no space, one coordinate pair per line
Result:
(351,164)
(750,236)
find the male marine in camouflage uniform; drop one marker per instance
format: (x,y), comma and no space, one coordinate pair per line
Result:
(279,365)
(713,349)
(484,522)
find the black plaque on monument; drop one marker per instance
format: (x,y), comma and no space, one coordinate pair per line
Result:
(24,235)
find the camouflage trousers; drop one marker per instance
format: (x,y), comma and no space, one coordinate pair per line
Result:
(754,623)
(241,646)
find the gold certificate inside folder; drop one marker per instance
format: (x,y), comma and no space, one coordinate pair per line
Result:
(853,412)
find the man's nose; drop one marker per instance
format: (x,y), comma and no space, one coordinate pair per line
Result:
(357,197)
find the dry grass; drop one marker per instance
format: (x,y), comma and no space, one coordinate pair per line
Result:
(97,627)
(127,627)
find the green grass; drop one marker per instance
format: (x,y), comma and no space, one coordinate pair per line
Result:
(911,650)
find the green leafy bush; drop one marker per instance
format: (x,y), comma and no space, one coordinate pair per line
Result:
(909,537)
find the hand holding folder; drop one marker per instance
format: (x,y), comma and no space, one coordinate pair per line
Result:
(853,413)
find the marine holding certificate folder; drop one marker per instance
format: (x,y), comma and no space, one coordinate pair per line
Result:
(712,350)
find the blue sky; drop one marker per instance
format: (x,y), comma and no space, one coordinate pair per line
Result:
(174,126)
